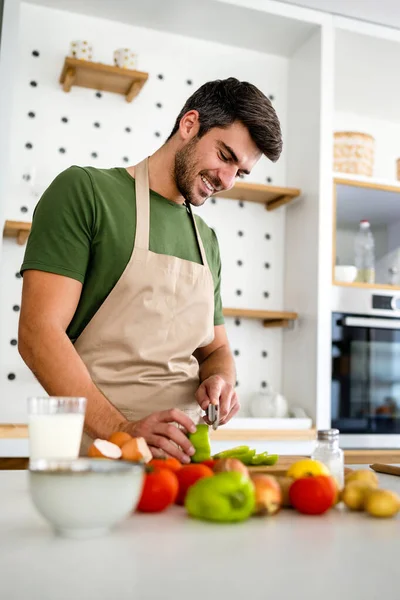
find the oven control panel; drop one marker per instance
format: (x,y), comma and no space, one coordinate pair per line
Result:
(386,302)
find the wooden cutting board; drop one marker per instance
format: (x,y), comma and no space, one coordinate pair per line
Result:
(281,467)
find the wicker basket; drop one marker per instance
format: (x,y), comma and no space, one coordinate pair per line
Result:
(354,153)
(398,169)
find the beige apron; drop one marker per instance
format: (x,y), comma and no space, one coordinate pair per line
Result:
(139,345)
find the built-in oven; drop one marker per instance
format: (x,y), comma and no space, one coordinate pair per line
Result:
(365,385)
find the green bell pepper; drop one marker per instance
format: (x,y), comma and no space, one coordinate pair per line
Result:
(225,497)
(201,443)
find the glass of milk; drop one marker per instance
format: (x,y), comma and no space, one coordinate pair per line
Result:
(55,426)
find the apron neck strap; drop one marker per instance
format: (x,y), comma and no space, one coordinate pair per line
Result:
(143,211)
(142,205)
(199,240)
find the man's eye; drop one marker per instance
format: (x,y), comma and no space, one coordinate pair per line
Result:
(223,157)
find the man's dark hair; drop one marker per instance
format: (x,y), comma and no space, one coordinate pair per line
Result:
(221,102)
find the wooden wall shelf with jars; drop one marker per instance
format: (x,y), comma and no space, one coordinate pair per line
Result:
(102,77)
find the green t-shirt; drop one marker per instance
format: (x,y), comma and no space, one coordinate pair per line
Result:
(84,227)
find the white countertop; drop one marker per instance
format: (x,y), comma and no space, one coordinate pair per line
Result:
(339,555)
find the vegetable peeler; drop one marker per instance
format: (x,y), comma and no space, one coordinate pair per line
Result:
(213,415)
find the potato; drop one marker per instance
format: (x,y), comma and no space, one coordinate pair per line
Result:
(355,494)
(382,504)
(365,475)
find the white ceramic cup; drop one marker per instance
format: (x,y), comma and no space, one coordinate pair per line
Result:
(125,58)
(81,49)
(345,273)
(55,427)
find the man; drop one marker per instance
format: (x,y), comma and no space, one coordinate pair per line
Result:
(121,294)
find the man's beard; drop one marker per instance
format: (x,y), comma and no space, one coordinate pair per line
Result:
(185,173)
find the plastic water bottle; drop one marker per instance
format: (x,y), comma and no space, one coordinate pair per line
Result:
(364,250)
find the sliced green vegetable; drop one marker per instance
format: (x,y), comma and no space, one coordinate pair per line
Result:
(270,460)
(247,458)
(257,460)
(233,452)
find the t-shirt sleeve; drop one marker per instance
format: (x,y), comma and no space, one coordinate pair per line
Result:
(218,314)
(62,226)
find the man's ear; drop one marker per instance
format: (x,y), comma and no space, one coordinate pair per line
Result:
(189,125)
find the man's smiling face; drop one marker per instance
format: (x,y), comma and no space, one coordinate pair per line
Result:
(210,164)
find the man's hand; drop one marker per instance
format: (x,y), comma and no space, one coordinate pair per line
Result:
(164,438)
(215,390)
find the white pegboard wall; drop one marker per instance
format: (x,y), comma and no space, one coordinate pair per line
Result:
(52,130)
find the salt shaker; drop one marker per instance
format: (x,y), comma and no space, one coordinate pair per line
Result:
(328,452)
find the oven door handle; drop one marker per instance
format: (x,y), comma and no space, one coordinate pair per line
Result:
(371,323)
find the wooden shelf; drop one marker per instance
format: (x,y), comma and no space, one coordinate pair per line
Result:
(17,229)
(222,434)
(367,182)
(371,455)
(20,431)
(366,286)
(270,318)
(13,431)
(99,76)
(271,196)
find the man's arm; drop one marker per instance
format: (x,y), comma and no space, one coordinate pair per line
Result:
(48,304)
(218,376)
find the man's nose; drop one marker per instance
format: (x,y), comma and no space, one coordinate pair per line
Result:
(227,177)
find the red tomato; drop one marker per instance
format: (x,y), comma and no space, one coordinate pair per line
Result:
(209,463)
(187,476)
(313,495)
(159,491)
(170,463)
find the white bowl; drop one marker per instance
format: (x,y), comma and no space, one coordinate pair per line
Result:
(85,497)
(345,273)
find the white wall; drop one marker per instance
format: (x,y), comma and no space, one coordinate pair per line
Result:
(177,59)
(8,64)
